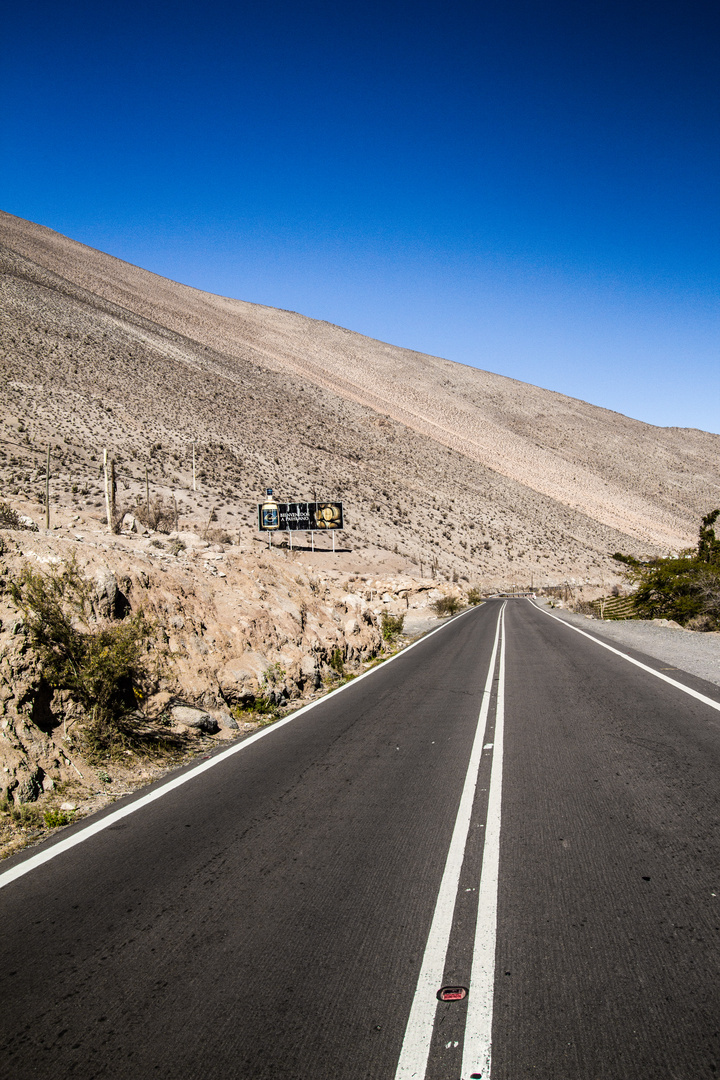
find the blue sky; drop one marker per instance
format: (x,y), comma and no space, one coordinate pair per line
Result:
(527,187)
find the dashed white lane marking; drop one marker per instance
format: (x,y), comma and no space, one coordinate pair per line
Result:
(478,1025)
(412,1064)
(631,660)
(46,854)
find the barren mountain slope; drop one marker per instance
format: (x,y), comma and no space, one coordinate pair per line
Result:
(98,352)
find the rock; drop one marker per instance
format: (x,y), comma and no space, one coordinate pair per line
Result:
(68,806)
(111,602)
(195,718)
(29,786)
(351,627)
(227,721)
(157,703)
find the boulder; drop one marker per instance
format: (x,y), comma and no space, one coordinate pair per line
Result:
(110,601)
(30,784)
(227,721)
(195,718)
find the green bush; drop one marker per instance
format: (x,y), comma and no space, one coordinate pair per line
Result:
(273,674)
(55,818)
(446,605)
(102,666)
(683,588)
(257,706)
(336,661)
(391,625)
(27,817)
(475,596)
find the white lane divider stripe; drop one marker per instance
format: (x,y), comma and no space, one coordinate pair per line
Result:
(95,827)
(412,1064)
(478,1025)
(658,674)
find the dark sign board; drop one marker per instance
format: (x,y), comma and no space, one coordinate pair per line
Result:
(300,516)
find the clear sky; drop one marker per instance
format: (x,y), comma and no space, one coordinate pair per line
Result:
(529,187)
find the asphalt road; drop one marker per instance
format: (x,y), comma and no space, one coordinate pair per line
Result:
(272,917)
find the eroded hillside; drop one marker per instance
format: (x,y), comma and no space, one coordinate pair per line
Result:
(438,463)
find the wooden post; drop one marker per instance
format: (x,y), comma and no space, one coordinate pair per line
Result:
(113,489)
(47,490)
(147,495)
(176,512)
(107,489)
(193,452)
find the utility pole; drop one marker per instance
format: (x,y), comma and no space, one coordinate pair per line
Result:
(193,453)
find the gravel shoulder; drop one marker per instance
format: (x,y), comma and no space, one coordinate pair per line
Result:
(689,650)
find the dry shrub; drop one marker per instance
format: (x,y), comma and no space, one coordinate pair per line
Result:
(10,519)
(160,515)
(217,536)
(446,605)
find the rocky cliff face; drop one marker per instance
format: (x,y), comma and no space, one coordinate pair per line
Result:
(230,627)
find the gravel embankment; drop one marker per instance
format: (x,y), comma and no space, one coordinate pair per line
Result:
(689,650)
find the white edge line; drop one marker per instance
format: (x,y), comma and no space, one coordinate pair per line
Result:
(412,1063)
(477,1044)
(658,674)
(42,857)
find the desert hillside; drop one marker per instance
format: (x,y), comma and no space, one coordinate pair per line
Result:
(451,478)
(481,475)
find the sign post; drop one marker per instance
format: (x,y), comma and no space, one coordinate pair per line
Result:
(306,517)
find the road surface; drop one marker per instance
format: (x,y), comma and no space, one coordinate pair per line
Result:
(508,806)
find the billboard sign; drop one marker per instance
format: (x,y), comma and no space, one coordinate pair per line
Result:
(300,516)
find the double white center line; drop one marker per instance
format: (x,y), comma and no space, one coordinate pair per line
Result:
(418,1033)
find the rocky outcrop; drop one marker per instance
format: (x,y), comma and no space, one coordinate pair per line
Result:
(264,628)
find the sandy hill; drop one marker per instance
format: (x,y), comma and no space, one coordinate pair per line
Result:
(492,478)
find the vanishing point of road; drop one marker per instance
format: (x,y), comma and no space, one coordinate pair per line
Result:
(509,806)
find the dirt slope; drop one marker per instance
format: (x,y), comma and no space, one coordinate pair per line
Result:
(486,474)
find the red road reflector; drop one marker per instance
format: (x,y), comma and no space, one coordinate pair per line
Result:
(452,993)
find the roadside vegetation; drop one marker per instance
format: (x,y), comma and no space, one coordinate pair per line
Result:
(446,605)
(101,664)
(685,588)
(391,626)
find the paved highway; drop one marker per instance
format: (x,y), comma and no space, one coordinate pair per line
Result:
(507,806)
